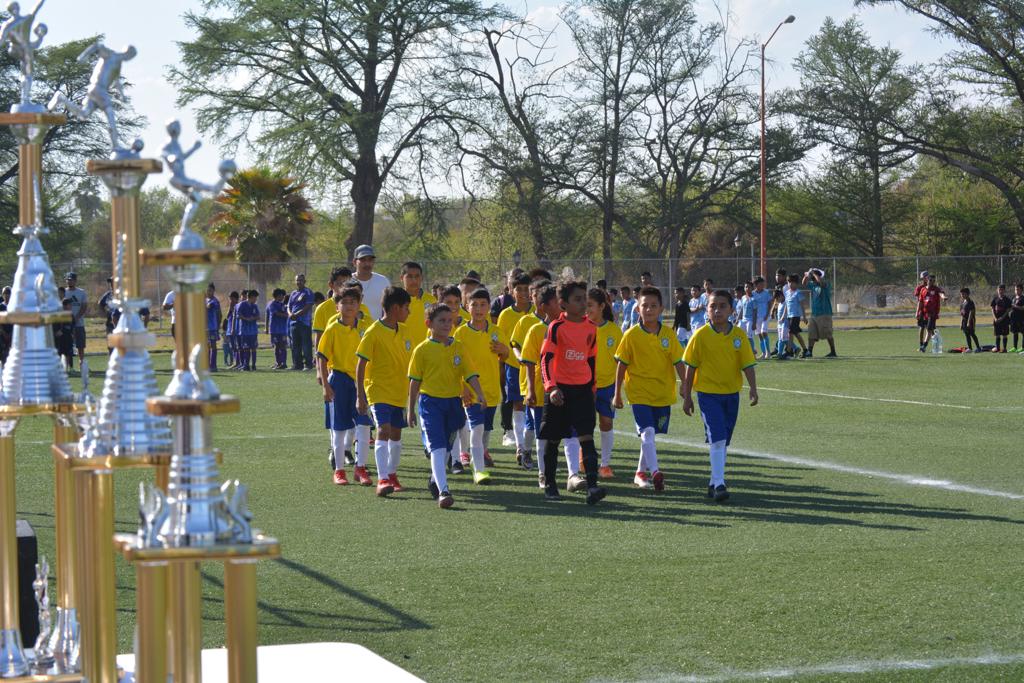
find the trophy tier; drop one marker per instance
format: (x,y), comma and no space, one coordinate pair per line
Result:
(164,406)
(69,452)
(262,547)
(33,319)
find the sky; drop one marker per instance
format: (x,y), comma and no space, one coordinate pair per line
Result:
(155,27)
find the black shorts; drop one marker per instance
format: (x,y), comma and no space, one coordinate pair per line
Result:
(794,325)
(577,413)
(1002,328)
(926,322)
(1016,326)
(80,338)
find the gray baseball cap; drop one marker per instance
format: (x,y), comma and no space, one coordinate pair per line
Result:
(364,250)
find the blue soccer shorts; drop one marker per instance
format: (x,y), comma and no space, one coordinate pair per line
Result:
(719,412)
(603,401)
(654,417)
(384,414)
(440,419)
(480,416)
(512,393)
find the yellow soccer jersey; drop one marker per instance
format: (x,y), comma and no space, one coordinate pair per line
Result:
(518,336)
(476,345)
(440,368)
(338,345)
(364,313)
(417,320)
(324,313)
(719,359)
(387,352)
(507,321)
(532,342)
(650,359)
(608,337)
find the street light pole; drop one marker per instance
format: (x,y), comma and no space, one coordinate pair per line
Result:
(764,187)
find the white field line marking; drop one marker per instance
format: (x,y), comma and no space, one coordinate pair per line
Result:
(853,667)
(873,399)
(910,479)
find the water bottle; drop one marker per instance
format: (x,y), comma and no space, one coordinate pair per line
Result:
(937,342)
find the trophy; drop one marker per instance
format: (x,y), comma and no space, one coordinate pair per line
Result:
(42,653)
(195,518)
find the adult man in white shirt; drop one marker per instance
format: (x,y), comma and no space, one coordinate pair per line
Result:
(373,283)
(169,306)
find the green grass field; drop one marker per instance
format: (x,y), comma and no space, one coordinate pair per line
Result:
(821,567)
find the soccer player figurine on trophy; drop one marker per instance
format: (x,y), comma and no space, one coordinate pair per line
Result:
(17,31)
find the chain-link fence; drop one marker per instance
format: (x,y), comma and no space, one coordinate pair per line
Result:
(860,284)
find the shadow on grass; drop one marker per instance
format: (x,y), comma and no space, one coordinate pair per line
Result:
(392,619)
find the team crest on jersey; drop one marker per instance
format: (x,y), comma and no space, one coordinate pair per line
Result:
(408,345)
(611,342)
(736,344)
(494,337)
(664,343)
(456,359)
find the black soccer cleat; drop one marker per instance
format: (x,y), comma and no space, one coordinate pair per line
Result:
(457,467)
(551,493)
(711,490)
(330,459)
(527,461)
(721,493)
(349,460)
(432,487)
(595,494)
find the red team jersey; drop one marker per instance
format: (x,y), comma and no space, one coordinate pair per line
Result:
(568,353)
(929,300)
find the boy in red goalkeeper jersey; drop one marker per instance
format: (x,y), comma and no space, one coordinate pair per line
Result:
(567,364)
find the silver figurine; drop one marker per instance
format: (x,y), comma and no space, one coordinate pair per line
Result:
(106,76)
(43,653)
(194,190)
(17,32)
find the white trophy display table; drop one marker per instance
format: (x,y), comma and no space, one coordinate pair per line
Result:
(321,662)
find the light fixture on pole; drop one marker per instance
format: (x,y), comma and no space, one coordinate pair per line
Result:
(764,207)
(737,243)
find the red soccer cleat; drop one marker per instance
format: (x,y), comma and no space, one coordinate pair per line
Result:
(465,459)
(384,488)
(488,462)
(339,478)
(362,477)
(605,472)
(393,479)
(659,481)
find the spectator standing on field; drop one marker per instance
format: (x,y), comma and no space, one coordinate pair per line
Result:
(1017,317)
(628,304)
(929,300)
(1001,305)
(79,307)
(300,324)
(968,319)
(168,306)
(373,283)
(506,299)
(820,325)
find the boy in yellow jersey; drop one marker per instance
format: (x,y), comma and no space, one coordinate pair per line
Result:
(531,383)
(381,370)
(716,358)
(609,335)
(336,366)
(524,447)
(412,282)
(437,370)
(327,310)
(647,356)
(452,298)
(485,347)
(507,320)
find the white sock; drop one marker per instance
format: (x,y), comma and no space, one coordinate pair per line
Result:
(337,445)
(394,456)
(466,440)
(476,448)
(346,439)
(607,441)
(519,427)
(380,454)
(456,443)
(648,454)
(437,468)
(718,463)
(541,445)
(529,437)
(572,455)
(362,444)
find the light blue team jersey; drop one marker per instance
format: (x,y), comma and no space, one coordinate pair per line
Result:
(698,314)
(627,312)
(780,313)
(793,299)
(763,301)
(747,308)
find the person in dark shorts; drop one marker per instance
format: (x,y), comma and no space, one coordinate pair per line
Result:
(1017,317)
(929,302)
(1001,305)
(968,318)
(567,366)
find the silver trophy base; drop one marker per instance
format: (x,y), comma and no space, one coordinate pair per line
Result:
(65,641)
(12,655)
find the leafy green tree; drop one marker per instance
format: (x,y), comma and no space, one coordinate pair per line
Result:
(265,217)
(849,91)
(341,89)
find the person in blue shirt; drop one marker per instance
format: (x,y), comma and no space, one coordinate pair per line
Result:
(762,301)
(820,325)
(796,310)
(248,314)
(748,312)
(277,328)
(698,310)
(628,304)
(212,324)
(300,324)
(230,343)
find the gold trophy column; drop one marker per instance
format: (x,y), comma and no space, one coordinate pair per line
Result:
(240,615)
(8,538)
(151,622)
